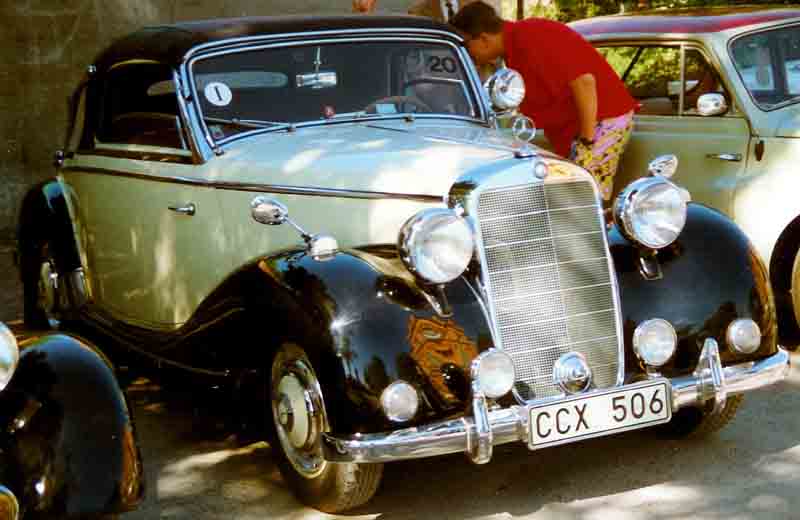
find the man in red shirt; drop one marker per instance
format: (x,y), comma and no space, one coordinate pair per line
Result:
(572,93)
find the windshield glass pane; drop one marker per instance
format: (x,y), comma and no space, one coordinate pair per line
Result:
(769,65)
(330,81)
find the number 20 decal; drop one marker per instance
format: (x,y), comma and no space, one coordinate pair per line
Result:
(437,64)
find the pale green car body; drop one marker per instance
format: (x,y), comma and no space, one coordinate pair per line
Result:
(743,162)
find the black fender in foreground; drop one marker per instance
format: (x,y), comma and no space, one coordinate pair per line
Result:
(68,441)
(364,323)
(711,276)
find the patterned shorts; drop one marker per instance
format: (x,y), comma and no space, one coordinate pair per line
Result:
(602,158)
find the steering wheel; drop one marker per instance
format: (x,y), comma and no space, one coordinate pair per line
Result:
(398,100)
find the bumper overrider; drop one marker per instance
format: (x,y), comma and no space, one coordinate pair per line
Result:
(487,426)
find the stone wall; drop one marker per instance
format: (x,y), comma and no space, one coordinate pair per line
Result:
(45,45)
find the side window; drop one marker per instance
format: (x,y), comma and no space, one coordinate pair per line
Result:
(140,106)
(652,75)
(701,78)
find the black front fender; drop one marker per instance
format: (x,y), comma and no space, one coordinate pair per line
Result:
(365,322)
(711,276)
(69,443)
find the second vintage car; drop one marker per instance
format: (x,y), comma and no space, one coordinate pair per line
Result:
(321,215)
(720,89)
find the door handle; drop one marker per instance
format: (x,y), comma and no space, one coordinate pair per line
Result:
(185,209)
(731,157)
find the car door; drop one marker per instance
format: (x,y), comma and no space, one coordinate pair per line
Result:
(151,232)
(667,80)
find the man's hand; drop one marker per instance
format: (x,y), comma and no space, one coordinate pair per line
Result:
(584,91)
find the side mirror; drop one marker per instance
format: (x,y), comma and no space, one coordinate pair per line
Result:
(711,105)
(264,210)
(663,166)
(506,89)
(268,211)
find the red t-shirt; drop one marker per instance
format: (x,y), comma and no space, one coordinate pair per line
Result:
(549,55)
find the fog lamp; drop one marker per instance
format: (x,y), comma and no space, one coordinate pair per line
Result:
(744,336)
(494,372)
(654,342)
(399,401)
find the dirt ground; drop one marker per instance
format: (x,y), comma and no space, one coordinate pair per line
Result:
(196,470)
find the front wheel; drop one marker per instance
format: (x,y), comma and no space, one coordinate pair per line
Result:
(299,419)
(698,422)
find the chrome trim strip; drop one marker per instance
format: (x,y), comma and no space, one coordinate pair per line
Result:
(261,188)
(512,424)
(332,34)
(191,59)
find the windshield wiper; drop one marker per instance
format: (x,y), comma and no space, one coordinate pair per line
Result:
(250,123)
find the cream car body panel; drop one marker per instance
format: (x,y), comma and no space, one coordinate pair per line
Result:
(148,265)
(153,266)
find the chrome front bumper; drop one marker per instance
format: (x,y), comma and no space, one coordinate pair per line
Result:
(476,435)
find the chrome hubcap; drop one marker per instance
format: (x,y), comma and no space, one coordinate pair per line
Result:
(298,411)
(48,290)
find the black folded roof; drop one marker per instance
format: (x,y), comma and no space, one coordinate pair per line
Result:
(170,43)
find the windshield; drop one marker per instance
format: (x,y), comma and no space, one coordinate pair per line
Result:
(264,87)
(769,65)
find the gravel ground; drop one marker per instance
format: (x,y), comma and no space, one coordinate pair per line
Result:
(197,471)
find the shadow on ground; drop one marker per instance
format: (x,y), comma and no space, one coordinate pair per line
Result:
(197,469)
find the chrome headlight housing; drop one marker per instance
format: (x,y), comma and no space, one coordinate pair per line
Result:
(9,355)
(506,89)
(652,212)
(436,244)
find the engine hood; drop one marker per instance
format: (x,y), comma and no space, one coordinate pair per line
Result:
(399,157)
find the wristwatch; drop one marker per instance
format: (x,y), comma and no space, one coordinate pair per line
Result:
(585,142)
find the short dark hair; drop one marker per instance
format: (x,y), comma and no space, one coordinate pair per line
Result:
(476,18)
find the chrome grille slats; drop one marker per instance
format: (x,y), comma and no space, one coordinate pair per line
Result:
(548,279)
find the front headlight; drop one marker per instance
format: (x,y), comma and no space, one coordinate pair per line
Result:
(506,89)
(436,244)
(652,212)
(9,356)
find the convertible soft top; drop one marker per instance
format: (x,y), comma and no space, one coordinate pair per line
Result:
(170,43)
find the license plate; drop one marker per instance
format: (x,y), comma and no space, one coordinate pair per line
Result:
(604,413)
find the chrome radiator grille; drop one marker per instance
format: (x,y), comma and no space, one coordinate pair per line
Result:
(547,276)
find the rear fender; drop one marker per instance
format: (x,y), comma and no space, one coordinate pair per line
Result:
(44,216)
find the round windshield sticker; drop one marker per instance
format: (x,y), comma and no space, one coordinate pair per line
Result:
(218,94)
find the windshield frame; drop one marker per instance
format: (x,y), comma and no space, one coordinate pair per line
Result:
(472,85)
(762,107)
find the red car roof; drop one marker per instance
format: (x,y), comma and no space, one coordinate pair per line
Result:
(683,21)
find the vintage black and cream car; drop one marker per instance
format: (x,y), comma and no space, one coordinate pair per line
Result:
(320,215)
(67,442)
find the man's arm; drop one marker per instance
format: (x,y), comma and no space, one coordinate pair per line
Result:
(584,90)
